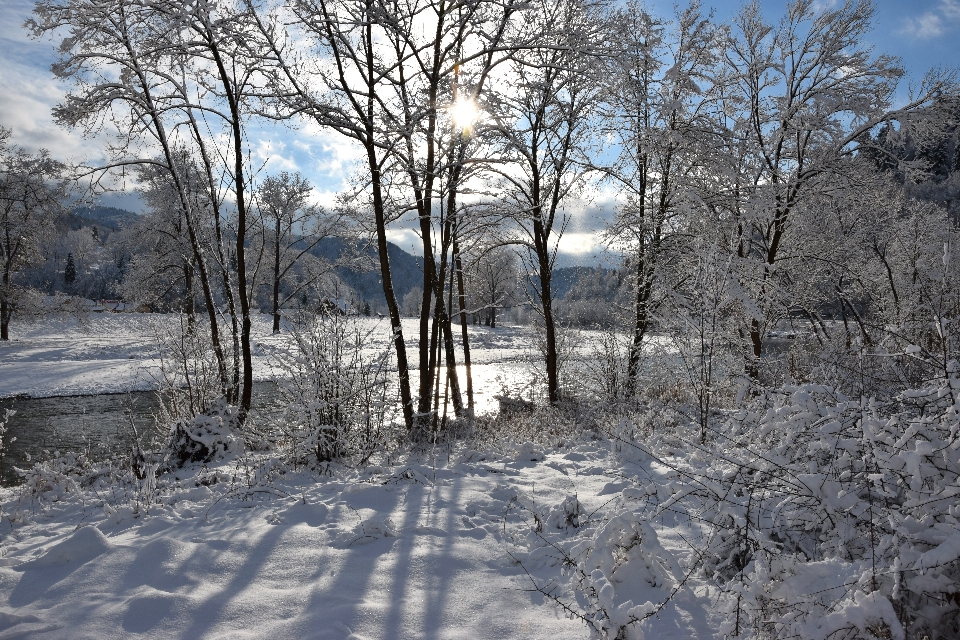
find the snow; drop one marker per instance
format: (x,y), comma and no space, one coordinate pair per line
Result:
(103,353)
(423,548)
(119,352)
(570,535)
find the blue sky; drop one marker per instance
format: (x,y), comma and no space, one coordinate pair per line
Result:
(924,33)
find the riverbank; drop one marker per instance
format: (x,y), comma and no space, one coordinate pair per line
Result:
(109,353)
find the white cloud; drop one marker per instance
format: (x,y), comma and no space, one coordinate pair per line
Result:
(269,152)
(580,244)
(934,23)
(950,9)
(822,5)
(28,88)
(407,239)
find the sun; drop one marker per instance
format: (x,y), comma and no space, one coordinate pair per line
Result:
(464,114)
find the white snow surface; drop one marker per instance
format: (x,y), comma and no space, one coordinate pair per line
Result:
(423,548)
(119,352)
(442,544)
(104,353)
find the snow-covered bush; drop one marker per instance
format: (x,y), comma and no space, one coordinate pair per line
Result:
(566,516)
(812,514)
(603,369)
(338,395)
(624,576)
(618,573)
(188,379)
(52,480)
(822,503)
(209,436)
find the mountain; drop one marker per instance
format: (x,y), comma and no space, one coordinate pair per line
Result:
(108,218)
(364,277)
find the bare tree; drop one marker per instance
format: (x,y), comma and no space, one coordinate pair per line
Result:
(494,275)
(292,227)
(186,74)
(546,110)
(803,92)
(388,85)
(659,85)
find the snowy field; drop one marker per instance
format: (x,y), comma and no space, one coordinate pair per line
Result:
(439,544)
(608,527)
(422,548)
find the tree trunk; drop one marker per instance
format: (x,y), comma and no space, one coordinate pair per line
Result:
(426,347)
(453,377)
(462,300)
(553,379)
(641,322)
(403,370)
(6,309)
(276,278)
(546,299)
(239,182)
(189,305)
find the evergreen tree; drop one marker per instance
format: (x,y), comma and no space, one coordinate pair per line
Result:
(70,271)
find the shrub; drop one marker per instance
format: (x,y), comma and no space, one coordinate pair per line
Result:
(338,395)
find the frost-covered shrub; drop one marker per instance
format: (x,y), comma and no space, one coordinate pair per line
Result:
(602,370)
(338,396)
(827,503)
(211,435)
(52,480)
(813,515)
(625,575)
(546,427)
(188,379)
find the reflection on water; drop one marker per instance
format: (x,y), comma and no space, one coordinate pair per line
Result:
(95,424)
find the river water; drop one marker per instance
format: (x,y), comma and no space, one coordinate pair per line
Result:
(99,425)
(105,425)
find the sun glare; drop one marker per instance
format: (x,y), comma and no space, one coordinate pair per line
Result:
(464,114)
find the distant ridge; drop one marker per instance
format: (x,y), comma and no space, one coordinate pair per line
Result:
(107,217)
(364,279)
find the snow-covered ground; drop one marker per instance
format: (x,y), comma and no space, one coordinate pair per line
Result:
(423,548)
(442,544)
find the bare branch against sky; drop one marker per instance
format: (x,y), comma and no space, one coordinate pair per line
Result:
(924,34)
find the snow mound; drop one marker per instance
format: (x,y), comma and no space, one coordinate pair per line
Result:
(870,614)
(85,544)
(567,515)
(528,452)
(312,514)
(366,532)
(8,620)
